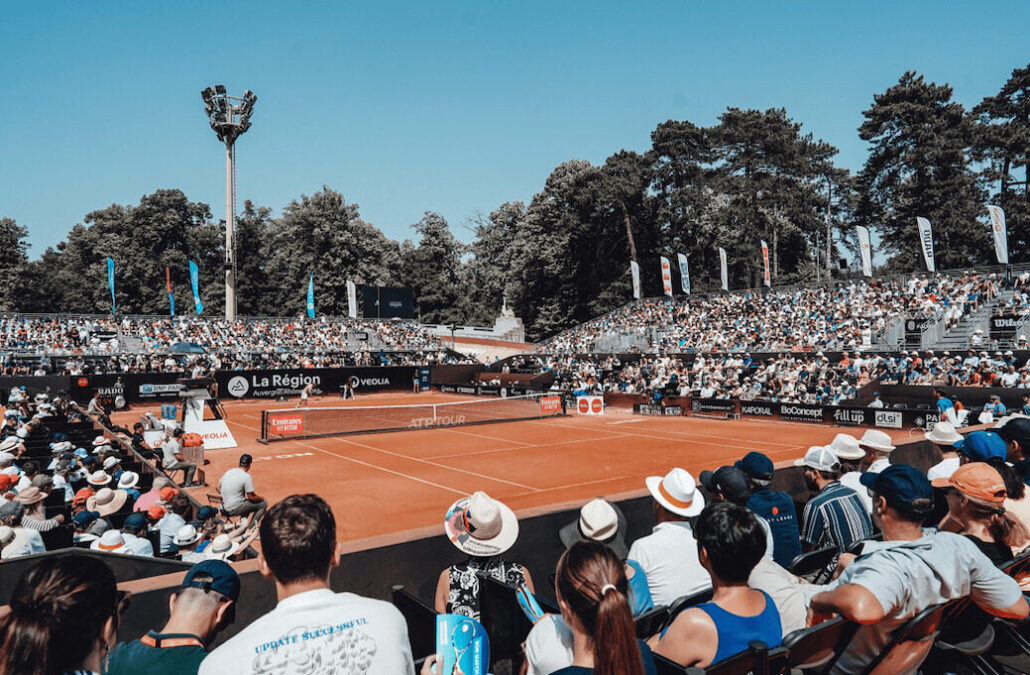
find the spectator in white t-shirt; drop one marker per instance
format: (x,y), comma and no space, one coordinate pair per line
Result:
(311,623)
(237,489)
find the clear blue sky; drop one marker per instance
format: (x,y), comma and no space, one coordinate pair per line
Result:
(452,107)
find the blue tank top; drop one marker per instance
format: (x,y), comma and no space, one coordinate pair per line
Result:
(736,632)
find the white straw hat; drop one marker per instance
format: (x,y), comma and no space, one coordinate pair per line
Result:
(845,446)
(876,440)
(943,433)
(677,492)
(481,526)
(222,547)
(111,541)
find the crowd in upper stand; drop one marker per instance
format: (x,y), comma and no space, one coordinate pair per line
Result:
(847,315)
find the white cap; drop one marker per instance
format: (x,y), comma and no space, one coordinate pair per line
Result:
(820,458)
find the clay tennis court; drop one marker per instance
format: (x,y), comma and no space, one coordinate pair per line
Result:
(384,484)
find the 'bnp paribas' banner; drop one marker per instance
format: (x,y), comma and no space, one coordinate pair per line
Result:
(926,242)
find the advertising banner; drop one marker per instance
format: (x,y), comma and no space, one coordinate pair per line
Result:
(110,282)
(666,276)
(684,273)
(1000,234)
(195,283)
(285,422)
(765,262)
(1005,327)
(850,417)
(891,419)
(713,405)
(759,408)
(801,412)
(549,404)
(926,242)
(590,405)
(865,248)
(352,299)
(276,383)
(634,269)
(723,273)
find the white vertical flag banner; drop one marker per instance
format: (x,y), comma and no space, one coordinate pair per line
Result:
(666,276)
(865,248)
(926,242)
(722,270)
(634,269)
(352,299)
(765,261)
(684,273)
(1001,235)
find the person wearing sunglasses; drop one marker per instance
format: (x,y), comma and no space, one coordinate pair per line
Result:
(63,618)
(203,605)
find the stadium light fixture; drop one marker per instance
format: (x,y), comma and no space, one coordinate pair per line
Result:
(229,117)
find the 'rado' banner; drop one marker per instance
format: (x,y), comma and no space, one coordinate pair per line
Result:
(801,412)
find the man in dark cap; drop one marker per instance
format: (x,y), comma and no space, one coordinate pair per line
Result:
(777,508)
(730,484)
(1015,431)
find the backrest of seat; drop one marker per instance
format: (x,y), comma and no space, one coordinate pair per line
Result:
(664,666)
(815,564)
(819,645)
(911,643)
(420,618)
(685,602)
(505,623)
(752,661)
(651,622)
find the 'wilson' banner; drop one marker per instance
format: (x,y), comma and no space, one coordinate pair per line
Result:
(666,276)
(865,247)
(926,242)
(1001,235)
(684,273)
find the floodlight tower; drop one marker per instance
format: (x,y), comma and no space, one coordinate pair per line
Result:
(229,117)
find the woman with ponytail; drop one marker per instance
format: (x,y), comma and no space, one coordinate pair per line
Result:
(63,618)
(591,588)
(976,496)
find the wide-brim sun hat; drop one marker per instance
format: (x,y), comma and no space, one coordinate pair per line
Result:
(128,479)
(600,521)
(943,433)
(30,495)
(100,440)
(875,439)
(111,541)
(10,443)
(186,535)
(677,492)
(481,526)
(107,501)
(222,547)
(99,477)
(846,446)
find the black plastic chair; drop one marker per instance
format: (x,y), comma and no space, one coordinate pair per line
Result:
(685,602)
(911,642)
(504,621)
(758,659)
(651,622)
(815,566)
(817,648)
(421,621)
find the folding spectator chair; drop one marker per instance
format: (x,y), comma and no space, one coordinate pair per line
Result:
(911,642)
(421,621)
(651,622)
(682,603)
(815,566)
(757,659)
(215,500)
(816,649)
(1016,569)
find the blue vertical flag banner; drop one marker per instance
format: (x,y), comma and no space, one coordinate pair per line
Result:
(311,296)
(110,282)
(171,298)
(195,281)
(684,273)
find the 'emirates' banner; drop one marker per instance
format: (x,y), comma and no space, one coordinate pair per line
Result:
(666,276)
(1001,235)
(865,247)
(722,270)
(765,261)
(684,273)
(634,269)
(926,242)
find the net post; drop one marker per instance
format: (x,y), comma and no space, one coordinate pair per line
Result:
(264,428)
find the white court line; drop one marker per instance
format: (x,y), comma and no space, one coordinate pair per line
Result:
(680,439)
(490,438)
(625,422)
(527,446)
(379,468)
(694,435)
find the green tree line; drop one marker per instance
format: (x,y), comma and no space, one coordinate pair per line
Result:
(563,258)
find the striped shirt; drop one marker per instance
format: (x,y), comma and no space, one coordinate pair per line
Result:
(835,517)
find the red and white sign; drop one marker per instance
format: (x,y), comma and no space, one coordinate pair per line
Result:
(286,423)
(550,404)
(590,405)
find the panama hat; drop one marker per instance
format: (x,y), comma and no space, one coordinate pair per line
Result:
(31,495)
(481,526)
(222,547)
(10,443)
(99,477)
(875,439)
(845,446)
(111,541)
(601,521)
(129,479)
(100,440)
(677,492)
(107,501)
(943,433)
(186,535)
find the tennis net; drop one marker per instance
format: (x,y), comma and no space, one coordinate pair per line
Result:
(293,423)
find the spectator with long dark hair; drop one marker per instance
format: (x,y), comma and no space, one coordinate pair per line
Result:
(63,619)
(591,587)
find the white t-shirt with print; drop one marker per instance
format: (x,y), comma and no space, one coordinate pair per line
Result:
(319,633)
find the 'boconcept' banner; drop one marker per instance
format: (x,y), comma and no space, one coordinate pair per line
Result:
(1001,236)
(195,281)
(926,242)
(110,282)
(684,273)
(634,269)
(722,269)
(865,247)
(666,276)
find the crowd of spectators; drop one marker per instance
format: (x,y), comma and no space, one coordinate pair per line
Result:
(847,315)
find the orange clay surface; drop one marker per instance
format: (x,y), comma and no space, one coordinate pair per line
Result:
(387,483)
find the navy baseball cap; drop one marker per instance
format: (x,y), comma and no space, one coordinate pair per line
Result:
(1015,429)
(206,513)
(981,446)
(136,522)
(730,481)
(756,465)
(83,518)
(905,488)
(223,579)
